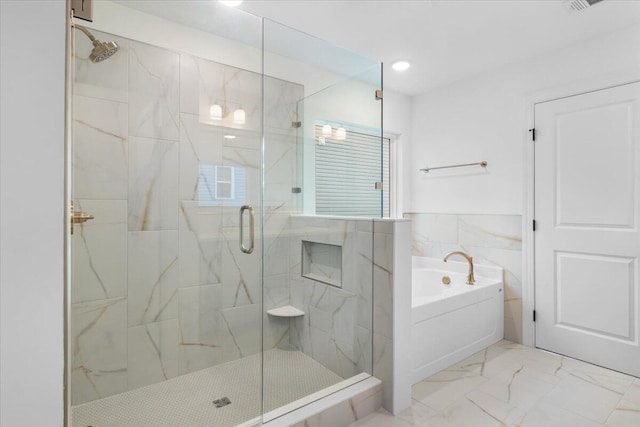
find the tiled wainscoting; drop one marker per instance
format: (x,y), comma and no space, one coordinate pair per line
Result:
(489,239)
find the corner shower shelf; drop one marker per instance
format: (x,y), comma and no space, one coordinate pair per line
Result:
(285,311)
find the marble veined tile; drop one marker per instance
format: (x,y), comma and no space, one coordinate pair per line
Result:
(445,387)
(249,161)
(200,145)
(363,352)
(463,412)
(107,79)
(625,414)
(200,244)
(584,398)
(101,149)
(440,228)
(276,244)
(153,276)
(280,171)
(517,387)
(546,414)
(487,362)
(417,414)
(498,409)
(99,251)
(491,231)
(243,330)
(99,349)
(153,185)
(241,275)
(152,353)
(633,392)
(200,311)
(281,102)
(205,83)
(153,92)
(602,377)
(381,418)
(383,363)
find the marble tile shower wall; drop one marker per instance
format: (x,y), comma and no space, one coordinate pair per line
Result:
(337,329)
(159,286)
(490,239)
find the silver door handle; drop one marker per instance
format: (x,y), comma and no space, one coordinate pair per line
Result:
(251,229)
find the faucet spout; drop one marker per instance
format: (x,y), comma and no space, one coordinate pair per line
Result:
(470,278)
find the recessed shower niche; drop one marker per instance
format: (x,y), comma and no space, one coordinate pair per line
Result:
(322,262)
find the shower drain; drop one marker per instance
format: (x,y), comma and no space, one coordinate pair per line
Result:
(221,402)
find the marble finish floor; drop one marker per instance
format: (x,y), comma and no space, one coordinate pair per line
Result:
(188,400)
(513,385)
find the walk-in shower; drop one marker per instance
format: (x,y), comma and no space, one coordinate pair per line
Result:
(192,144)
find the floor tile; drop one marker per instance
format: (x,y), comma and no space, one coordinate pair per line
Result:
(381,418)
(417,414)
(548,415)
(506,413)
(445,387)
(626,414)
(463,413)
(513,385)
(517,387)
(584,398)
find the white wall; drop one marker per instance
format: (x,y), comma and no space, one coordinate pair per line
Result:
(32,60)
(397,123)
(484,118)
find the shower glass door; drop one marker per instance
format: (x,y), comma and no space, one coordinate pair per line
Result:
(318,269)
(204,287)
(166,273)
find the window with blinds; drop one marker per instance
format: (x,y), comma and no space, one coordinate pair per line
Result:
(347,171)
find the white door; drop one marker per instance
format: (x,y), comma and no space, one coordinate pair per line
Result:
(587,243)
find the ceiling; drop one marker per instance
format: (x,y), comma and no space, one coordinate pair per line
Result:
(447,40)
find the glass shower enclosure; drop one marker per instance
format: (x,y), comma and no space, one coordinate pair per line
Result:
(203,288)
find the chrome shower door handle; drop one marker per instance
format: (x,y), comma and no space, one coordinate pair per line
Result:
(251,229)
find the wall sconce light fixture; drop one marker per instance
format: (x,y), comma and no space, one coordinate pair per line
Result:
(215,112)
(239,116)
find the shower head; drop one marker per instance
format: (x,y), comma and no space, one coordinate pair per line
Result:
(101,50)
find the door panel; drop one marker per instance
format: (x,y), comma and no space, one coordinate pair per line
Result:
(587,172)
(587,244)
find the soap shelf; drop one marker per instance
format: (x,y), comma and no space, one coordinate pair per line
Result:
(285,311)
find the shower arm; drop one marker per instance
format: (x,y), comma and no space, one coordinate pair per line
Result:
(87,33)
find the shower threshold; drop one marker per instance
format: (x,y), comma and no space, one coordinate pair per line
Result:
(291,379)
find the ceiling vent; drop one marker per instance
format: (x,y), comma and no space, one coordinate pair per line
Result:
(579,5)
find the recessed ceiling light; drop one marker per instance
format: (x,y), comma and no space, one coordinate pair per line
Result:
(230,137)
(231,3)
(401,65)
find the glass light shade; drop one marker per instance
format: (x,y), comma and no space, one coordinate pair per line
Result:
(215,112)
(341,134)
(239,116)
(326,130)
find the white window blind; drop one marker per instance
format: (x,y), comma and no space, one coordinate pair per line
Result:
(346,175)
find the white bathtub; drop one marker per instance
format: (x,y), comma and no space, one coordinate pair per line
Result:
(451,322)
